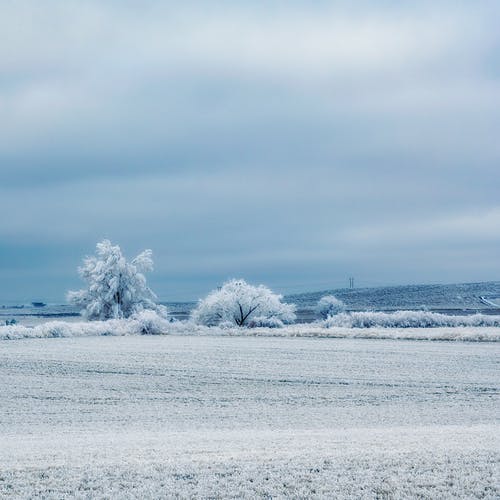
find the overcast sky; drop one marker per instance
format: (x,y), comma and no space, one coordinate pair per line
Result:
(289,143)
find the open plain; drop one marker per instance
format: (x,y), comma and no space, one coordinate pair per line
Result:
(186,416)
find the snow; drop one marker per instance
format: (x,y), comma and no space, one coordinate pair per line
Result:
(145,322)
(222,416)
(413,325)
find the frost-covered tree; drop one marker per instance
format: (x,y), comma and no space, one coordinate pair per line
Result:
(115,288)
(329,306)
(239,304)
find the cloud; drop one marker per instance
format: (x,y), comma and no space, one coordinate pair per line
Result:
(78,68)
(281,140)
(481,227)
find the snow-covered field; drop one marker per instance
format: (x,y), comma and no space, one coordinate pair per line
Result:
(221,416)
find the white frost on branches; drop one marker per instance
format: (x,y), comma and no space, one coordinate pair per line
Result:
(115,288)
(238,303)
(329,306)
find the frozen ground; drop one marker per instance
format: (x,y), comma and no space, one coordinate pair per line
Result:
(189,416)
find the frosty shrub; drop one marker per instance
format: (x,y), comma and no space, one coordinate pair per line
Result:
(151,323)
(409,319)
(115,288)
(238,303)
(329,306)
(475,328)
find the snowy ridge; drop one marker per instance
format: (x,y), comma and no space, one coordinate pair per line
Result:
(452,296)
(416,325)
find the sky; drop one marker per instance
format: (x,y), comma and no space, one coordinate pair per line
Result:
(290,143)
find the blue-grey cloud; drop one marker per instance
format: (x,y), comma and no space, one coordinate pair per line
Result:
(291,143)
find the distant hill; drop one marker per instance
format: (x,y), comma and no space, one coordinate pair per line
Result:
(466,296)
